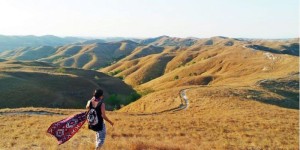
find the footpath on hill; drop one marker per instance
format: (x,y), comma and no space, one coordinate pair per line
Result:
(184,102)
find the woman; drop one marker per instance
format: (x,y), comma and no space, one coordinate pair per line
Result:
(97,105)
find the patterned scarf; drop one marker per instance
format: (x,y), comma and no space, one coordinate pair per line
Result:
(64,129)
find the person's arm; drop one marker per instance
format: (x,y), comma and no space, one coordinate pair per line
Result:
(104,115)
(88,105)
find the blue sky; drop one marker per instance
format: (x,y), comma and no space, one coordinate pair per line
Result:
(151,18)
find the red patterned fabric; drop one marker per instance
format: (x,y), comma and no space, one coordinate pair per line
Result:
(64,129)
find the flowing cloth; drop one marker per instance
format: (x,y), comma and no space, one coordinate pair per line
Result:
(64,129)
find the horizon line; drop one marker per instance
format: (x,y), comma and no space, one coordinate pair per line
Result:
(107,37)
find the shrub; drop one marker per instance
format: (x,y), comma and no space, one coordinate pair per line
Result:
(121,77)
(146,91)
(115,101)
(96,77)
(61,70)
(114,72)
(176,77)
(131,98)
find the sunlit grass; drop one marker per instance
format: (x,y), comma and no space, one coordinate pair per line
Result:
(228,124)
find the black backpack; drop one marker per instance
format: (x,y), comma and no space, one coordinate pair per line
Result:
(94,118)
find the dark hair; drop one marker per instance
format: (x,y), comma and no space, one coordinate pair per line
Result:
(98,93)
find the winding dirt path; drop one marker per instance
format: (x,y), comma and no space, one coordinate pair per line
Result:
(184,99)
(183,106)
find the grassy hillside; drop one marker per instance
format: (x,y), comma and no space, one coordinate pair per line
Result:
(40,84)
(165,62)
(90,56)
(238,94)
(214,61)
(282,92)
(223,117)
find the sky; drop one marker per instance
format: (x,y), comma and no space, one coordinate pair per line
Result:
(151,18)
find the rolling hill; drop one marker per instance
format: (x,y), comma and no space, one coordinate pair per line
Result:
(238,93)
(29,53)
(39,84)
(161,63)
(214,61)
(91,54)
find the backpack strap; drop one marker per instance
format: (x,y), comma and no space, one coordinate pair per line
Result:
(99,103)
(89,107)
(91,104)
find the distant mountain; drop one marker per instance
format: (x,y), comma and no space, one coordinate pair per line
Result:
(13,42)
(92,41)
(29,53)
(165,62)
(169,41)
(91,56)
(118,39)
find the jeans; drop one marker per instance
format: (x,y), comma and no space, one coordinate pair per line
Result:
(100,137)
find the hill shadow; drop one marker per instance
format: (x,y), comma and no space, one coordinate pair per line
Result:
(286,89)
(59,87)
(286,102)
(292,49)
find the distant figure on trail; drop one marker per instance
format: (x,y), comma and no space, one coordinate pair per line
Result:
(95,116)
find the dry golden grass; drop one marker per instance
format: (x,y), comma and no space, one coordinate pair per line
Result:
(140,70)
(225,66)
(216,118)
(209,61)
(155,102)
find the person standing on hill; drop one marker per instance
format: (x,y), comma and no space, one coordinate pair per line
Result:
(95,116)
